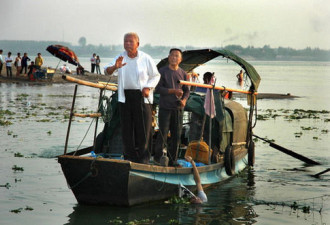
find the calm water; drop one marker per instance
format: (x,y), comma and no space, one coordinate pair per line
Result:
(262,195)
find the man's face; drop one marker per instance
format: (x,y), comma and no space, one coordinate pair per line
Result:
(131,44)
(175,58)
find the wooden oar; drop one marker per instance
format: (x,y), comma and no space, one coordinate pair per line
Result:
(90,84)
(188,83)
(320,173)
(289,152)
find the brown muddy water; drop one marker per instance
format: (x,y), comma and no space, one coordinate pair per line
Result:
(278,190)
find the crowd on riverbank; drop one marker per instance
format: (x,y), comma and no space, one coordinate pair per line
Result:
(23,69)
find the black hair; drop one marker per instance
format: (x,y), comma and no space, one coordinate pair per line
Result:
(207,77)
(175,49)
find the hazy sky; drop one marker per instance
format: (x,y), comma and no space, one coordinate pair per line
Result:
(202,23)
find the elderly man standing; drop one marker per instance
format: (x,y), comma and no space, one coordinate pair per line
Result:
(137,77)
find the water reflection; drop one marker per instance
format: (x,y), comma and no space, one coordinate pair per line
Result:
(227,205)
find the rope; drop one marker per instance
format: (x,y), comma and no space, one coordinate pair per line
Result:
(79,182)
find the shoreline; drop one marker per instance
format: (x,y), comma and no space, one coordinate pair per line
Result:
(56,79)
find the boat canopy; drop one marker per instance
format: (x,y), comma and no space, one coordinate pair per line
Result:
(194,58)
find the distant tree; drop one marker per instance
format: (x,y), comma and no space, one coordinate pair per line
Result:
(82,41)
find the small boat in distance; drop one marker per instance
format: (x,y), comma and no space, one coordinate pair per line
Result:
(98,174)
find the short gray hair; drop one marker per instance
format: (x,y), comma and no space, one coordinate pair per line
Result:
(132,34)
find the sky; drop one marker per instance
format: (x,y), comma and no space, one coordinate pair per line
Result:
(201,23)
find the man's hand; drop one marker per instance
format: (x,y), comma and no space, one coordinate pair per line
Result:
(145,92)
(183,103)
(119,62)
(178,93)
(188,158)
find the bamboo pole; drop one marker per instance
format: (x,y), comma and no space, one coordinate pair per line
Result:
(87,83)
(108,83)
(70,120)
(92,115)
(188,83)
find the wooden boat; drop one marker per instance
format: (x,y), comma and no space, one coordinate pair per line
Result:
(107,179)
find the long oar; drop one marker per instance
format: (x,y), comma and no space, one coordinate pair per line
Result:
(289,152)
(188,83)
(320,173)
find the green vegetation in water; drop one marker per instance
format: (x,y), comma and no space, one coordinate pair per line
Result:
(173,222)
(309,128)
(178,200)
(16,210)
(7,185)
(43,120)
(49,132)
(27,208)
(6,112)
(118,221)
(16,168)
(18,154)
(5,123)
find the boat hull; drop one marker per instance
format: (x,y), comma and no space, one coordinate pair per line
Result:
(101,181)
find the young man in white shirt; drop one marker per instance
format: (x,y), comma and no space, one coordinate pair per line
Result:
(9,61)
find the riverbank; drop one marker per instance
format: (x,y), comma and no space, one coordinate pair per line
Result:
(56,78)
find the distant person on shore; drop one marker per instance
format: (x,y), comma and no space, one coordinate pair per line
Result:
(25,60)
(1,61)
(172,100)
(93,63)
(39,61)
(137,77)
(80,70)
(201,196)
(18,64)
(31,69)
(65,69)
(9,61)
(97,63)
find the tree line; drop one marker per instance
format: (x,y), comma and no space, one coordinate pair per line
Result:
(249,53)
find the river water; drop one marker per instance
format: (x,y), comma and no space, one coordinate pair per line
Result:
(37,119)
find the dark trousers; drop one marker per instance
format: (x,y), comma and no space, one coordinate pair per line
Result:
(93,67)
(25,69)
(135,118)
(169,120)
(1,67)
(9,73)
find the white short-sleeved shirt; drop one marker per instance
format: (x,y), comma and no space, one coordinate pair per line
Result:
(138,73)
(8,63)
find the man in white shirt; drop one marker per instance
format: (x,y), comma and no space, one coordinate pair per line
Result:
(137,77)
(93,63)
(9,61)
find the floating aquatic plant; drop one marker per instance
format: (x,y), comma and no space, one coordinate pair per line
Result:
(16,168)
(173,222)
(116,221)
(18,154)
(5,123)
(16,210)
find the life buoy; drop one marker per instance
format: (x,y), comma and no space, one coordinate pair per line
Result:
(229,159)
(251,154)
